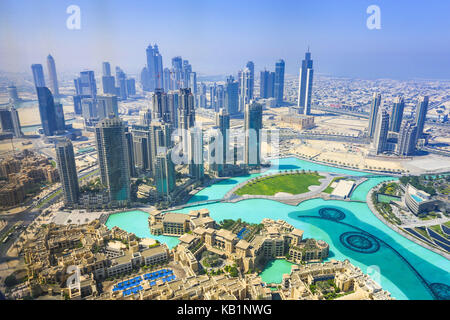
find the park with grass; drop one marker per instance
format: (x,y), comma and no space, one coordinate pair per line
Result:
(288,182)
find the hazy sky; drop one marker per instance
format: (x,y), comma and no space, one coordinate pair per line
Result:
(219,37)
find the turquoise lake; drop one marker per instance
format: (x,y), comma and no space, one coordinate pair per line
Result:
(406,269)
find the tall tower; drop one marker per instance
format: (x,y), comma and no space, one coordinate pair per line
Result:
(251,79)
(47,111)
(252,126)
(165,174)
(160,139)
(107,106)
(106,68)
(12,93)
(421,114)
(85,85)
(223,125)
(267,84)
(9,121)
(186,115)
(195,153)
(67,171)
(381,132)
(407,139)
(376,101)
(159,105)
(52,76)
(113,159)
(38,75)
(305,82)
(397,114)
(244,85)
(279,82)
(231,96)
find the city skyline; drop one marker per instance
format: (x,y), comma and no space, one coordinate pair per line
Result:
(387,52)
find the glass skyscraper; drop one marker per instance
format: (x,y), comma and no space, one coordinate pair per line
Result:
(397,114)
(67,171)
(53,78)
(421,114)
(113,159)
(279,82)
(376,101)
(252,126)
(38,75)
(305,83)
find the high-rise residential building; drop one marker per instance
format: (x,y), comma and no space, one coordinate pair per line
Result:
(193,86)
(244,84)
(38,75)
(172,105)
(279,82)
(407,139)
(195,153)
(165,174)
(89,110)
(253,127)
(67,171)
(397,114)
(154,68)
(267,84)
(177,72)
(167,83)
(305,83)
(186,115)
(145,79)
(223,126)
(108,84)
(85,85)
(381,132)
(130,152)
(12,93)
(9,121)
(251,79)
(231,96)
(106,67)
(47,111)
(52,76)
(107,106)
(113,159)
(187,69)
(376,101)
(121,83)
(159,106)
(421,115)
(160,139)
(131,87)
(59,114)
(145,117)
(142,148)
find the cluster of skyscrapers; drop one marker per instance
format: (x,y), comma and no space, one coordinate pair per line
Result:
(390,133)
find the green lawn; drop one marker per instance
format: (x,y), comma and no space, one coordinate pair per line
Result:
(289,183)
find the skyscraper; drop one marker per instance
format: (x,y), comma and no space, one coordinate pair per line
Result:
(177,72)
(186,115)
(106,67)
(12,93)
(223,125)
(159,106)
(53,78)
(305,82)
(107,106)
(195,153)
(376,101)
(121,83)
(167,84)
(381,132)
(244,85)
(252,126)
(267,84)
(154,68)
(47,111)
(113,159)
(172,105)
(9,121)
(407,139)
(67,171)
(251,79)
(397,114)
(160,139)
(279,82)
(232,96)
(142,148)
(421,115)
(164,175)
(38,75)
(85,85)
